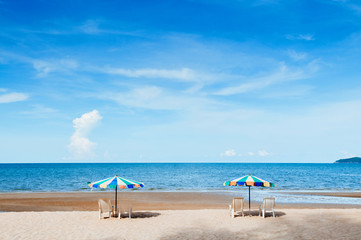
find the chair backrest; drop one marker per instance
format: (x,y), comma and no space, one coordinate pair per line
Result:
(269,203)
(238,203)
(104,205)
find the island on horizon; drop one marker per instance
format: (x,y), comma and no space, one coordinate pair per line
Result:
(349,160)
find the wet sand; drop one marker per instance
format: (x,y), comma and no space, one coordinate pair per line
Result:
(331,194)
(87,201)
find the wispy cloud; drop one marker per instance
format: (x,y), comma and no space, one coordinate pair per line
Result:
(356,8)
(39,111)
(99,26)
(283,74)
(347,4)
(293,92)
(80,146)
(306,37)
(181,74)
(346,154)
(44,67)
(297,56)
(155,98)
(12,96)
(90,27)
(228,153)
(263,153)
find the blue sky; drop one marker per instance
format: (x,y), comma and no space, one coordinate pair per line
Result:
(180,81)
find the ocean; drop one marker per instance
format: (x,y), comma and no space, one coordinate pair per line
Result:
(292,179)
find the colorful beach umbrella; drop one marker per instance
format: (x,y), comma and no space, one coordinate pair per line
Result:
(249,180)
(116,182)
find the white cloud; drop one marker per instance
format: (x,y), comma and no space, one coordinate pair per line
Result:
(251,153)
(12,97)
(3,90)
(229,153)
(306,37)
(263,153)
(80,146)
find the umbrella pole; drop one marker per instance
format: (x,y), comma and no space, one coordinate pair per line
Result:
(116,199)
(249,200)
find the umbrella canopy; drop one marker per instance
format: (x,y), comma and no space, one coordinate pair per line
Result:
(116,182)
(249,180)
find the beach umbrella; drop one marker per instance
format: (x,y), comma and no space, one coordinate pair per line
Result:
(116,182)
(249,180)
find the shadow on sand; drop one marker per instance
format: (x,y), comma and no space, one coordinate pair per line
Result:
(137,215)
(142,215)
(255,213)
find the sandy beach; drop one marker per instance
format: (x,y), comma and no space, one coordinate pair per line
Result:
(167,215)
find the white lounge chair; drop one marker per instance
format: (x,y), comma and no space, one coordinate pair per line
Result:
(237,206)
(125,209)
(268,205)
(105,206)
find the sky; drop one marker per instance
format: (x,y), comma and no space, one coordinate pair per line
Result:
(180,81)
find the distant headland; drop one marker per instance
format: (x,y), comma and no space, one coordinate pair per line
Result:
(349,160)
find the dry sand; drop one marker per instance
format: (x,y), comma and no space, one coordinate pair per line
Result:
(184,224)
(168,216)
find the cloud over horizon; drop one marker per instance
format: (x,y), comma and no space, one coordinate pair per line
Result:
(80,146)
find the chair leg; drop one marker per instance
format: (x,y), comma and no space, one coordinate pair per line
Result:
(100,215)
(232,213)
(263,213)
(130,212)
(273,213)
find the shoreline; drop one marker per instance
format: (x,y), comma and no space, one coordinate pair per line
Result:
(88,201)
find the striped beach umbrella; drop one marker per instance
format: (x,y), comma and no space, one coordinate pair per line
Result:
(116,182)
(249,180)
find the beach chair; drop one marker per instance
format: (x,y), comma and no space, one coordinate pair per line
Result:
(237,206)
(105,206)
(267,206)
(125,209)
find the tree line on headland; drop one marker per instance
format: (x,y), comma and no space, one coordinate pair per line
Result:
(349,160)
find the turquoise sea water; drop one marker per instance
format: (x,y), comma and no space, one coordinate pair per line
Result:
(289,177)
